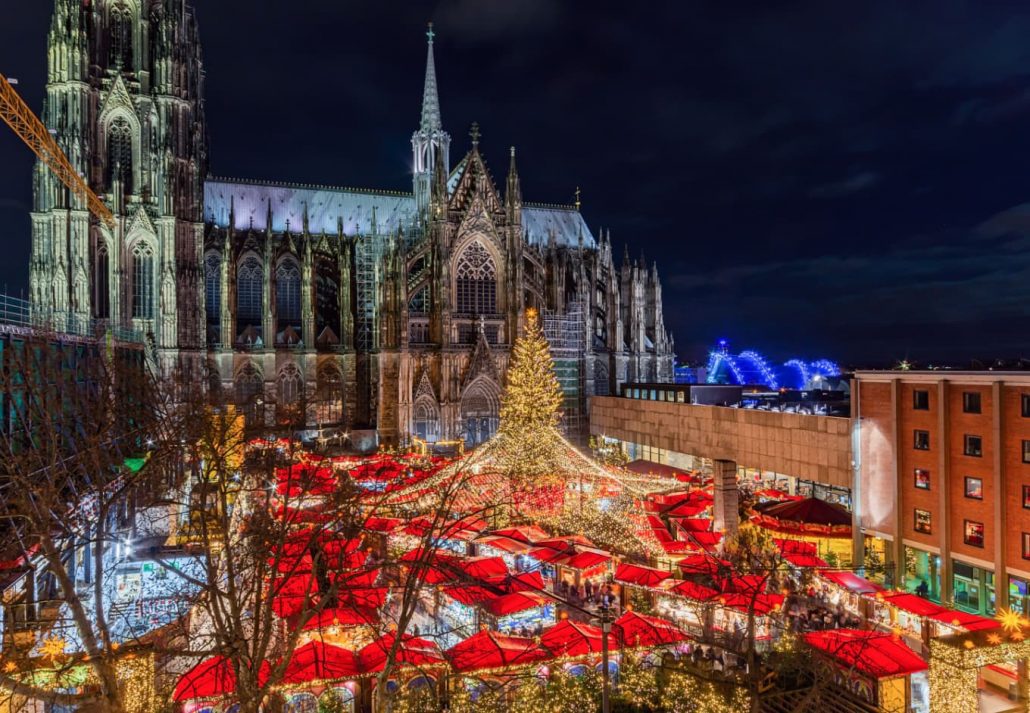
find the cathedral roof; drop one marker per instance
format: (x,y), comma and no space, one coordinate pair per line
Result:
(564,222)
(326,205)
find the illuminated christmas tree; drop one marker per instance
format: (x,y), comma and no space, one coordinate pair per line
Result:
(530,405)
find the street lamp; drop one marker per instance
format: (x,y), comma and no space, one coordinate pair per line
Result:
(606,619)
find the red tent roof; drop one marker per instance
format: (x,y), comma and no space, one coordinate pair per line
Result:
(587,559)
(691,590)
(913,604)
(513,603)
(640,630)
(694,524)
(489,650)
(851,581)
(505,544)
(566,542)
(797,547)
(383,524)
(688,509)
(342,616)
(640,576)
(810,511)
(870,652)
(411,650)
(804,560)
(318,661)
(570,638)
(212,678)
(528,534)
(702,564)
(969,622)
(484,567)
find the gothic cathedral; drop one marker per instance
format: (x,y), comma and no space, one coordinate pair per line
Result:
(370,309)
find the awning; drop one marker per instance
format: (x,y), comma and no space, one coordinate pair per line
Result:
(513,603)
(343,617)
(804,560)
(411,650)
(964,620)
(692,590)
(873,653)
(490,650)
(212,678)
(914,604)
(703,565)
(570,638)
(640,630)
(851,582)
(318,661)
(640,576)
(587,560)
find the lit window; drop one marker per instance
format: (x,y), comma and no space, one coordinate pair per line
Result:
(922,480)
(973,446)
(973,533)
(1026,545)
(119,153)
(1026,451)
(213,287)
(975,488)
(921,440)
(971,402)
(922,523)
(921,400)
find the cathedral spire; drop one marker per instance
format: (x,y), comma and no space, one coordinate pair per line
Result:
(431,120)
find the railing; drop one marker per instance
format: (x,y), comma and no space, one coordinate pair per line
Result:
(20,313)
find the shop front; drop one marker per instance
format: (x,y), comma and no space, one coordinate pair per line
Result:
(973,588)
(923,573)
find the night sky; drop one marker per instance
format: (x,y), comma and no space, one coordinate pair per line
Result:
(814,179)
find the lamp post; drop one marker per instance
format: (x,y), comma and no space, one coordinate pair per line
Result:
(606,619)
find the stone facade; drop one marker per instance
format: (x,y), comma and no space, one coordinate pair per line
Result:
(365,308)
(816,448)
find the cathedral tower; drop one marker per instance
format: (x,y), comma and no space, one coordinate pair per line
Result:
(124,101)
(430,140)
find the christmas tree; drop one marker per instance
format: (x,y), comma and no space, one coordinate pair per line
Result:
(530,405)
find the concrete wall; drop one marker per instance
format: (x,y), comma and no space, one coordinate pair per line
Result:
(811,447)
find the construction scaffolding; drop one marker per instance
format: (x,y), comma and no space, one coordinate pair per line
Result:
(566,334)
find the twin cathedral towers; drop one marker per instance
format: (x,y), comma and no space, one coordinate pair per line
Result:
(366,308)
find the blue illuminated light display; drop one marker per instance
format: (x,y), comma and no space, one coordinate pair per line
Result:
(749,368)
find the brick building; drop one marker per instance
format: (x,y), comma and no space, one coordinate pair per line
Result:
(943,491)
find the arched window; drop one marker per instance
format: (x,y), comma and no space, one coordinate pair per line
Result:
(248,384)
(102,284)
(291,385)
(601,385)
(119,153)
(121,37)
(476,281)
(142,281)
(249,280)
(287,293)
(213,287)
(426,422)
(329,396)
(419,303)
(302,703)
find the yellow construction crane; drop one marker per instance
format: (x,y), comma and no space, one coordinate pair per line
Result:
(30,129)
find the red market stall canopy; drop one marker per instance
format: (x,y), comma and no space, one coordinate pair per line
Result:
(318,661)
(383,524)
(527,534)
(410,650)
(570,638)
(964,620)
(212,678)
(587,560)
(688,509)
(850,581)
(490,650)
(513,603)
(343,617)
(914,604)
(301,479)
(692,590)
(688,524)
(872,653)
(810,516)
(703,565)
(640,576)
(640,630)
(805,560)
(484,567)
